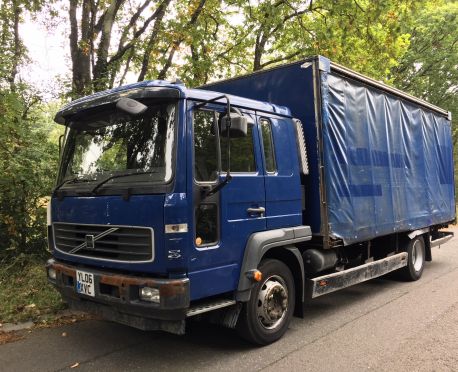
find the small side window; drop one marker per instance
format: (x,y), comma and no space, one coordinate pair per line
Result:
(268,146)
(206,224)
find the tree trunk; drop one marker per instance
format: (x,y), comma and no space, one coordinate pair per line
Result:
(80,50)
(259,50)
(17,45)
(152,39)
(100,74)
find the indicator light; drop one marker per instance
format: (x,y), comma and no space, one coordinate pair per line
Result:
(254,275)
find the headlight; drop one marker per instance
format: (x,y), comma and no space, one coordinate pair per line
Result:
(150,294)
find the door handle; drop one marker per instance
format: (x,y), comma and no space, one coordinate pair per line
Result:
(259,210)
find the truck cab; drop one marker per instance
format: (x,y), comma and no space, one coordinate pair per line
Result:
(158,195)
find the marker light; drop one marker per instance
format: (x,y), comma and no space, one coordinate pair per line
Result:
(52,273)
(254,275)
(150,294)
(257,276)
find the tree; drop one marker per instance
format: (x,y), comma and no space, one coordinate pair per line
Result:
(27,162)
(429,68)
(109,38)
(364,35)
(12,52)
(27,158)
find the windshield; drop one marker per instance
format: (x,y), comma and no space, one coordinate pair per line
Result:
(111,142)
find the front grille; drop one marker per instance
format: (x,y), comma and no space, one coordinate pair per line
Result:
(108,242)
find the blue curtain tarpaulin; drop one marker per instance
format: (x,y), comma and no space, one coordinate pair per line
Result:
(388,162)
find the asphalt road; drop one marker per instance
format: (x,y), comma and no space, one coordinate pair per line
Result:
(381,325)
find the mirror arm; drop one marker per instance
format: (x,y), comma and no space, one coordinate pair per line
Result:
(219,186)
(223,96)
(228,136)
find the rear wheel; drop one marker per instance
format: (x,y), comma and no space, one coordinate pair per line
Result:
(415,260)
(266,316)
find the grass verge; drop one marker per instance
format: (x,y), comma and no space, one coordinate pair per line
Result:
(25,293)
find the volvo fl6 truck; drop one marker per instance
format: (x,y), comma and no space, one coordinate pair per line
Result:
(245,199)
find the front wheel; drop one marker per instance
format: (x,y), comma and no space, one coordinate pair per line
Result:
(266,316)
(415,260)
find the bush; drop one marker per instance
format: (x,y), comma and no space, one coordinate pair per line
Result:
(25,293)
(28,162)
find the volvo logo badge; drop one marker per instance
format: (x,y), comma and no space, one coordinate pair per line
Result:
(90,241)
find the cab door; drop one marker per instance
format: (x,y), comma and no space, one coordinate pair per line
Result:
(224,221)
(282,179)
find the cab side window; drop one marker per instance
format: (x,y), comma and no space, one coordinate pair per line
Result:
(205,146)
(242,153)
(268,145)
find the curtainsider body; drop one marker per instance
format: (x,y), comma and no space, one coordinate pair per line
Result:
(380,161)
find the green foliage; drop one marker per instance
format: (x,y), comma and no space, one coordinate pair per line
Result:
(28,161)
(202,40)
(25,293)
(367,36)
(429,68)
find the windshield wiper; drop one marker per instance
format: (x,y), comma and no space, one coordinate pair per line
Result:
(71,180)
(100,184)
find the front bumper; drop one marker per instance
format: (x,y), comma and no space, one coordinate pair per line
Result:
(117,298)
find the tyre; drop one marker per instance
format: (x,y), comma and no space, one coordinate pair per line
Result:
(415,260)
(266,316)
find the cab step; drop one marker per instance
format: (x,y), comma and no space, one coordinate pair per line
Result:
(206,306)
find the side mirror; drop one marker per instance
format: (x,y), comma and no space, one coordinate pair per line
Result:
(238,128)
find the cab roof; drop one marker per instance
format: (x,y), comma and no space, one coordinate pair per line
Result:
(163,89)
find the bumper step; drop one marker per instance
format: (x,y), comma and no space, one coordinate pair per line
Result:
(208,306)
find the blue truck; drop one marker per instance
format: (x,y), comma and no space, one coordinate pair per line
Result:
(245,199)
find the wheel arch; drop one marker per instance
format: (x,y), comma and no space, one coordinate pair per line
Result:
(278,244)
(425,233)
